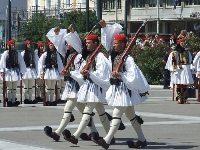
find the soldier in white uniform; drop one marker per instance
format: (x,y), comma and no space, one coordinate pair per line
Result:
(73,79)
(128,88)
(39,91)
(12,67)
(92,92)
(49,68)
(28,79)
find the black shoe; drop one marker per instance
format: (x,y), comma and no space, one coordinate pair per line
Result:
(85,137)
(48,103)
(67,136)
(103,143)
(166,87)
(26,101)
(16,103)
(9,104)
(49,133)
(38,99)
(137,144)
(54,103)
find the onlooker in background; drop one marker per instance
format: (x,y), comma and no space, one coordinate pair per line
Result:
(166,83)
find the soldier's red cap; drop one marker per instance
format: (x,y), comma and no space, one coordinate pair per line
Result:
(40,44)
(27,42)
(120,37)
(179,41)
(8,42)
(49,43)
(11,41)
(92,37)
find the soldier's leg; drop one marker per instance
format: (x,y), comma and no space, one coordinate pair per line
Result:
(53,83)
(9,90)
(85,119)
(117,114)
(14,91)
(30,88)
(103,117)
(25,89)
(136,122)
(179,94)
(69,106)
(81,107)
(184,91)
(48,90)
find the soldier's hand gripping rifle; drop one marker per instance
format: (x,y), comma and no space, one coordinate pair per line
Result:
(125,53)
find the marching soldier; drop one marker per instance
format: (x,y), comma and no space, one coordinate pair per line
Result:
(31,61)
(49,68)
(12,67)
(128,88)
(92,92)
(39,94)
(73,80)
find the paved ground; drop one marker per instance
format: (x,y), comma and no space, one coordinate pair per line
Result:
(167,125)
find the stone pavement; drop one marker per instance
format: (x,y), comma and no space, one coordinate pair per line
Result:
(167,125)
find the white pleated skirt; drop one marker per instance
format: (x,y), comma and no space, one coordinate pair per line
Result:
(119,96)
(52,74)
(90,92)
(70,90)
(182,76)
(12,74)
(30,74)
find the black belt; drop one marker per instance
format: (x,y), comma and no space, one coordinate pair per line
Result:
(115,81)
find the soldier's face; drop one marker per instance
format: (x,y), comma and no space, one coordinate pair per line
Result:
(118,46)
(69,47)
(91,45)
(51,46)
(28,45)
(12,46)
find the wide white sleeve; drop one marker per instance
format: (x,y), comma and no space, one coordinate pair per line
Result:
(169,64)
(108,33)
(60,64)
(101,76)
(133,77)
(22,64)
(3,61)
(196,60)
(41,63)
(36,61)
(58,40)
(79,63)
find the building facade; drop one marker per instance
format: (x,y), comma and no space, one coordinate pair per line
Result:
(169,16)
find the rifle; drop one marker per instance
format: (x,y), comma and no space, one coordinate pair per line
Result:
(44,94)
(127,50)
(92,58)
(4,91)
(76,53)
(21,91)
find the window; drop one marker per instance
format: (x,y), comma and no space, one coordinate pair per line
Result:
(196,2)
(110,4)
(171,2)
(138,4)
(153,3)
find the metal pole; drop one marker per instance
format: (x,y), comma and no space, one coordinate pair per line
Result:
(116,11)
(125,18)
(87,15)
(99,13)
(9,19)
(158,16)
